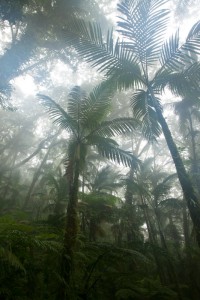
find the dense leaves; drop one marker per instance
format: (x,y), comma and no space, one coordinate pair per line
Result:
(90,205)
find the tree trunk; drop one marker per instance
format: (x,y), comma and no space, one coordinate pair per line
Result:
(195,163)
(153,241)
(71,232)
(186,185)
(186,229)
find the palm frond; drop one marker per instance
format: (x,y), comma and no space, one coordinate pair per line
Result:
(144,111)
(75,104)
(106,179)
(97,104)
(181,83)
(169,54)
(109,149)
(116,127)
(144,24)
(160,190)
(172,203)
(137,187)
(107,55)
(192,73)
(56,112)
(193,39)
(175,56)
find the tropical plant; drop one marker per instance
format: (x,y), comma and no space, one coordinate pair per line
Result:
(85,122)
(107,179)
(140,59)
(23,256)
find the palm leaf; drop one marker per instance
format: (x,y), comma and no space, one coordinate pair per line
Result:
(97,104)
(175,56)
(116,127)
(180,83)
(192,42)
(144,111)
(172,203)
(75,105)
(169,54)
(109,148)
(60,116)
(144,24)
(106,179)
(108,56)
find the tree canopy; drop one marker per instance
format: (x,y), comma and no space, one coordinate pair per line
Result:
(100,162)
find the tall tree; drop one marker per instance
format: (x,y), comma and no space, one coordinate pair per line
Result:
(140,59)
(85,122)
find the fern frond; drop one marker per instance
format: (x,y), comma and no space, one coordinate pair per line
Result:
(9,257)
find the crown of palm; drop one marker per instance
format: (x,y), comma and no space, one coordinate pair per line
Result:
(141,58)
(84,120)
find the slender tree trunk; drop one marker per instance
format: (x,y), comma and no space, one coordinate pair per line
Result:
(129,207)
(186,227)
(153,242)
(195,163)
(186,185)
(70,237)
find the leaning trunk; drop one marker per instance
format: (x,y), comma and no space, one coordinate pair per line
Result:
(186,185)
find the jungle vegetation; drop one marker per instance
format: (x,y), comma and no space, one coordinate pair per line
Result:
(100,161)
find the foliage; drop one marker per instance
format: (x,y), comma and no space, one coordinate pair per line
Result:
(133,237)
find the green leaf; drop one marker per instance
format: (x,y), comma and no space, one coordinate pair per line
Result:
(144,111)
(60,116)
(143,23)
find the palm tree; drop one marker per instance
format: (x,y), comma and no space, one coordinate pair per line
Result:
(84,121)
(140,59)
(106,179)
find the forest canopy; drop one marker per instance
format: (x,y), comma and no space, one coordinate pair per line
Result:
(100,162)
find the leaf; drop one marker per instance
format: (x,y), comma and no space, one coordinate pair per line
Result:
(109,149)
(108,56)
(143,110)
(143,23)
(116,127)
(60,116)
(11,259)
(169,54)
